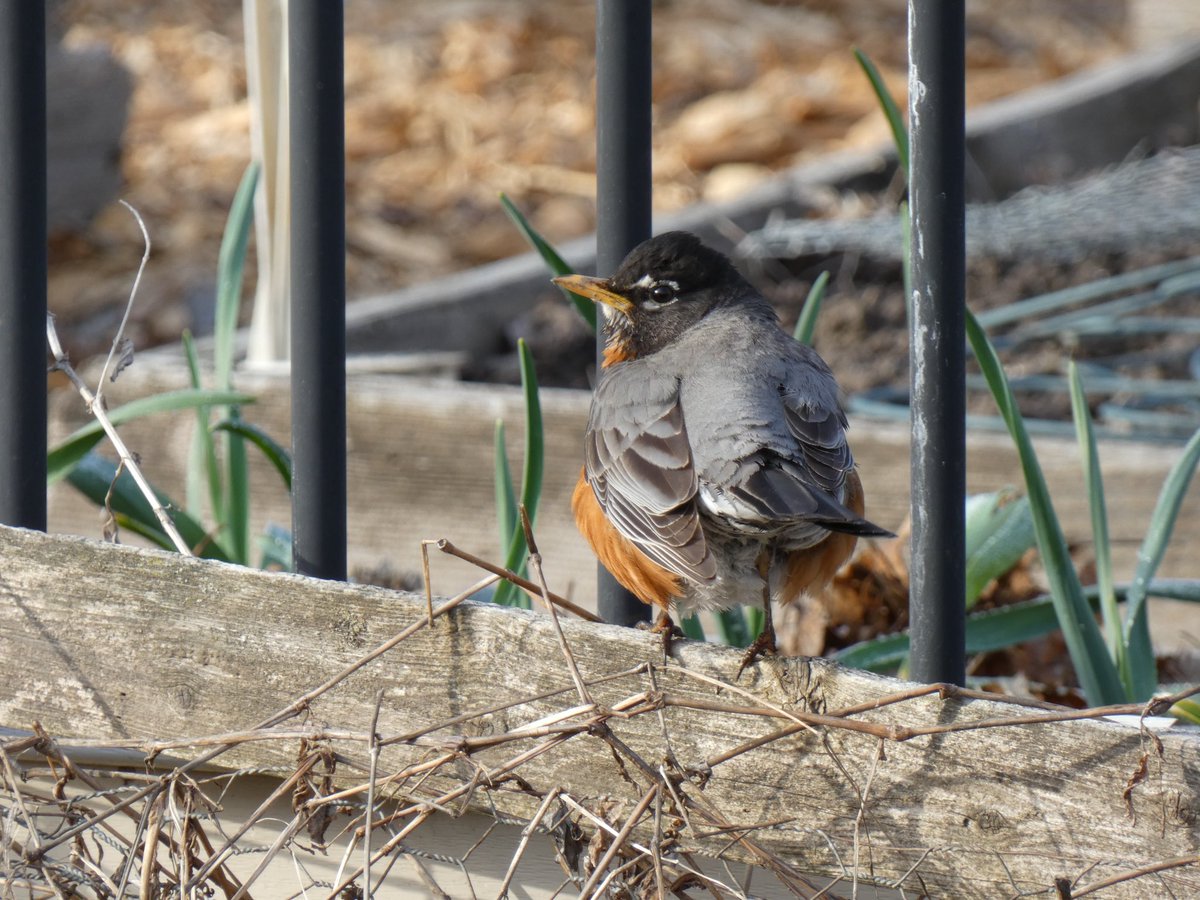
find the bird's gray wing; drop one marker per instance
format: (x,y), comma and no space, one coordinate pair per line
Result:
(793,461)
(639,464)
(820,435)
(822,459)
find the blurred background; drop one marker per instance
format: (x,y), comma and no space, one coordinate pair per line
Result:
(450,103)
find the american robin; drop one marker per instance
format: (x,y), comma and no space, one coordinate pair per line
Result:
(716,466)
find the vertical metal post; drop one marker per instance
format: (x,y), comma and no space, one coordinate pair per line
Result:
(318,287)
(623,189)
(23,264)
(936,109)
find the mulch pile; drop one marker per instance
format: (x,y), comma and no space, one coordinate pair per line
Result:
(449,104)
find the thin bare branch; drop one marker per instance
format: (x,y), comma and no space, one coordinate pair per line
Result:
(371,789)
(1140,872)
(535,563)
(526,833)
(119,337)
(128,460)
(618,842)
(523,583)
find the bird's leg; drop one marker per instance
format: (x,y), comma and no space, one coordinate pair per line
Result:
(765,642)
(665,627)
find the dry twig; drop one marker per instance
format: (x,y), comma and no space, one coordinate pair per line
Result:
(96,406)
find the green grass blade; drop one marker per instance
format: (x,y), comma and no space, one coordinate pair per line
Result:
(1187,711)
(531,476)
(276,545)
(906,258)
(755,620)
(67,454)
(999,532)
(506,500)
(877,654)
(733,626)
(194,480)
(554,262)
(1093,666)
(1154,545)
(692,628)
(736,626)
(981,511)
(895,121)
(1089,455)
(807,323)
(154,535)
(203,471)
(995,629)
(93,477)
(231,262)
(274,453)
(237,491)
(506,507)
(1185,589)
(535,440)
(891,111)
(992,629)
(722,635)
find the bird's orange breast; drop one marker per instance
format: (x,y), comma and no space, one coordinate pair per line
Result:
(615,351)
(649,581)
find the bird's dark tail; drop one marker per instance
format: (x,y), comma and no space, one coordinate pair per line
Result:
(856,526)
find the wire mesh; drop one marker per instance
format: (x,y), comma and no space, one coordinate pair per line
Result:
(1151,202)
(1145,207)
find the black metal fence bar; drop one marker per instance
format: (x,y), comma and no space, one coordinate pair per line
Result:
(23,264)
(318,284)
(936,108)
(623,189)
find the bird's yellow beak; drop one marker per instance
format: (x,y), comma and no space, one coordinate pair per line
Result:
(596,289)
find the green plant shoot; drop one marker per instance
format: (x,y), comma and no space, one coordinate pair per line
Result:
(585,307)
(531,479)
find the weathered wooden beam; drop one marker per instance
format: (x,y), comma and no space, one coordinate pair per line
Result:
(108,642)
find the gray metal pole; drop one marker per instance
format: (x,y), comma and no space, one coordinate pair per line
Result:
(318,285)
(23,263)
(936,108)
(623,189)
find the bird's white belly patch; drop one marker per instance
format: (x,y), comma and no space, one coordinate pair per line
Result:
(718,504)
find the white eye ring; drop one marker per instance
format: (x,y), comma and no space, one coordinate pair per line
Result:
(661,293)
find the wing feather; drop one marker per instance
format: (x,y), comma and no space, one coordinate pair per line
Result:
(639,464)
(790,477)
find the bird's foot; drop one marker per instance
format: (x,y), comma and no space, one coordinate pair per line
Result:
(763,645)
(666,628)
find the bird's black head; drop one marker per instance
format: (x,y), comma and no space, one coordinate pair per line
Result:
(663,287)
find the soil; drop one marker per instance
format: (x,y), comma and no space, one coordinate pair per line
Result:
(862,328)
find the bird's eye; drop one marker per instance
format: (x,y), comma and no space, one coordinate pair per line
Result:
(662,292)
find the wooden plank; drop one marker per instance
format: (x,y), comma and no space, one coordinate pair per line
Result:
(114,642)
(420,457)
